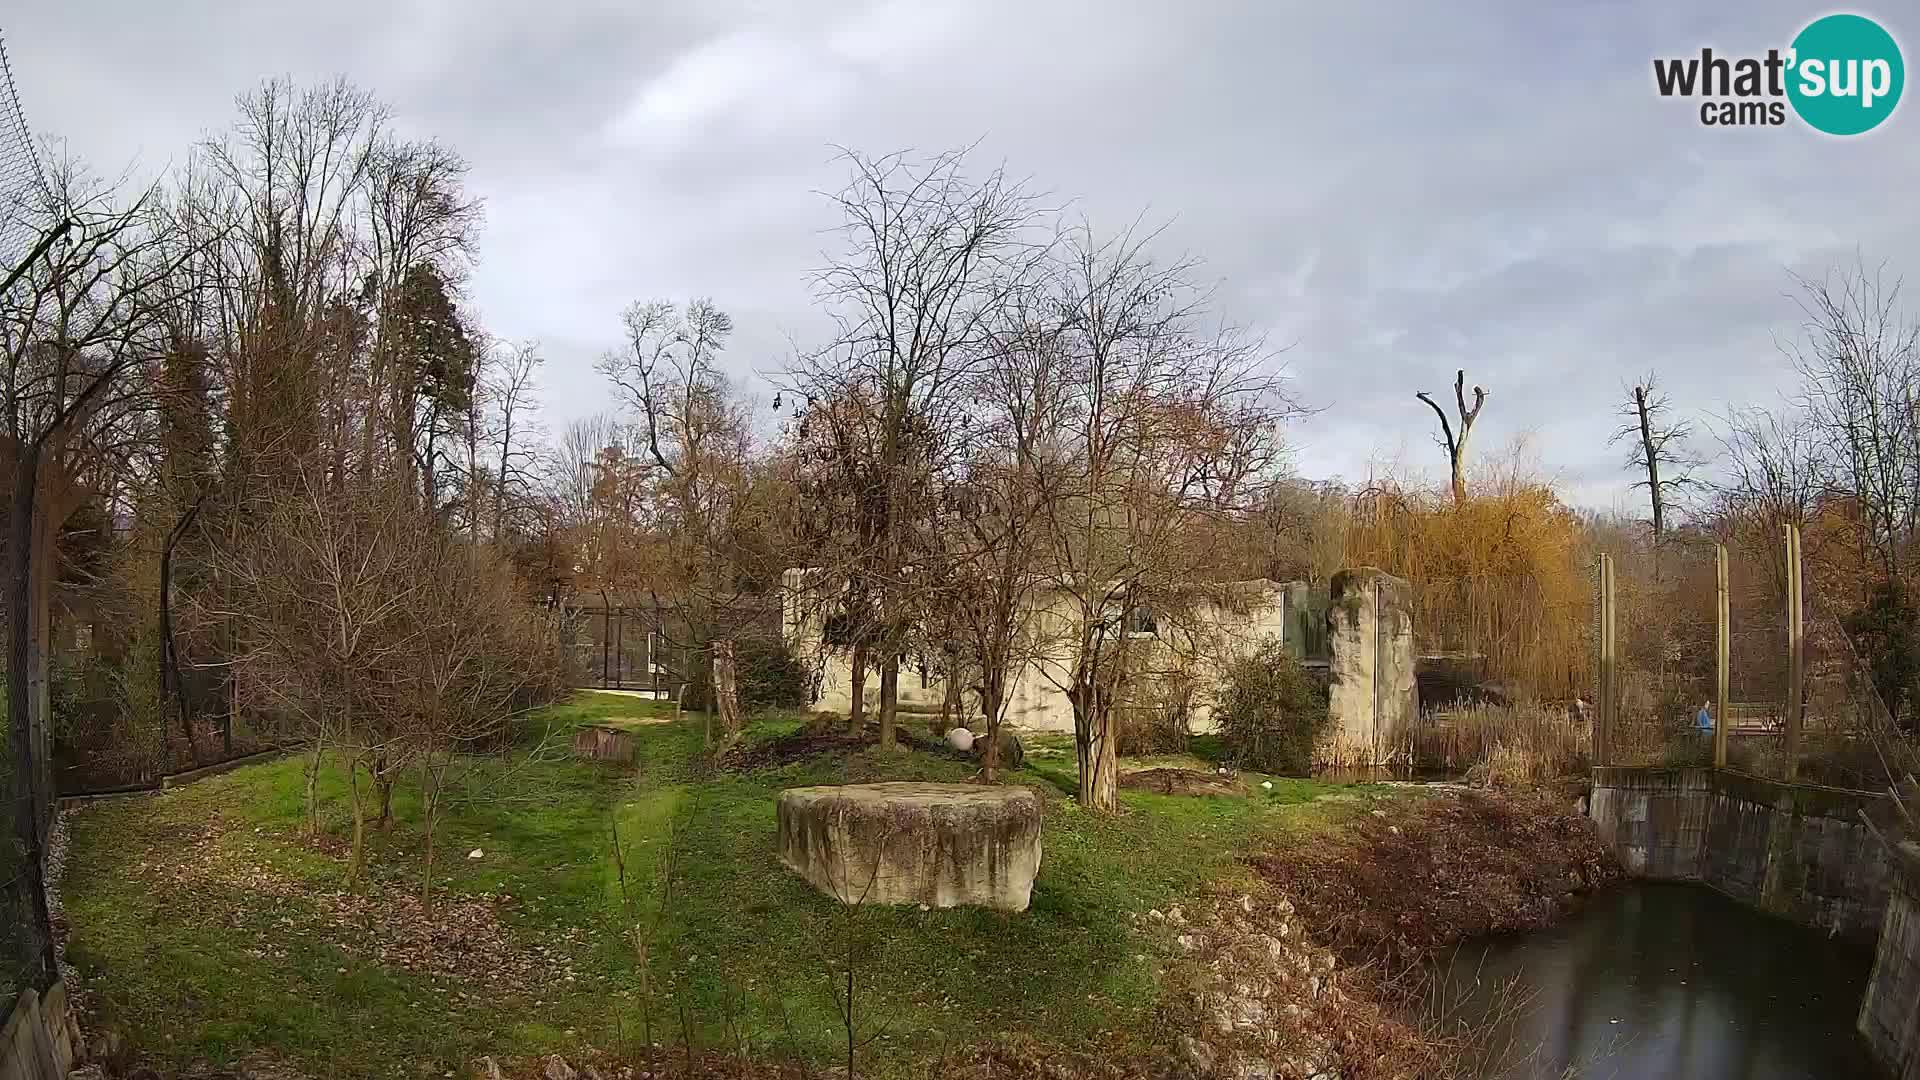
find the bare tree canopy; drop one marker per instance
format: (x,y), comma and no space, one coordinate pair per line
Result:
(1658,448)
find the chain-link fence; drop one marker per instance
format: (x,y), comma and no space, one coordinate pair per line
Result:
(26,953)
(22,184)
(655,648)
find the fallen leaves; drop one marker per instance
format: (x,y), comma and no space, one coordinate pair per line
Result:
(462,941)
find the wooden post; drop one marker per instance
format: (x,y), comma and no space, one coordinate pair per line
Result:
(1722,659)
(1604,723)
(1796,653)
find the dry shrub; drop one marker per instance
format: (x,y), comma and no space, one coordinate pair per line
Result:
(1395,887)
(1502,574)
(1156,715)
(1503,744)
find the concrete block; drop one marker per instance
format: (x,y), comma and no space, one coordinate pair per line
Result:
(942,845)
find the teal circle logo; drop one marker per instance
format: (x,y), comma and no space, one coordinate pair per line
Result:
(1846,75)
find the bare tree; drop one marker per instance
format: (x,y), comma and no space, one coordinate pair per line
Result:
(1859,365)
(322,596)
(81,334)
(1658,449)
(930,255)
(512,392)
(1455,443)
(1157,427)
(694,434)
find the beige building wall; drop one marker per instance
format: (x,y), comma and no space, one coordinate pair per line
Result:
(1197,652)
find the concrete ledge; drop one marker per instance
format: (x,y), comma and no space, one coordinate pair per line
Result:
(217,768)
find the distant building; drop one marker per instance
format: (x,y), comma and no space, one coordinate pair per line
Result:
(1183,662)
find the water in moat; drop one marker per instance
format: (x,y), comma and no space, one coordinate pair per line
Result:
(1653,981)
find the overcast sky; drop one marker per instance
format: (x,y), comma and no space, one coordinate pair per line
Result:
(1395,190)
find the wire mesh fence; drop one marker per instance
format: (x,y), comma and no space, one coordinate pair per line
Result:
(26,952)
(657,648)
(22,183)
(1798,699)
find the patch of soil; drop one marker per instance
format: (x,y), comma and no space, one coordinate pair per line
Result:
(1397,885)
(1181,782)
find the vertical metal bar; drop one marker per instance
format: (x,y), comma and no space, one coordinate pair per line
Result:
(1796,653)
(619,661)
(1604,731)
(1722,659)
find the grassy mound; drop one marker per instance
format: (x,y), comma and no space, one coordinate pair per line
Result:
(206,929)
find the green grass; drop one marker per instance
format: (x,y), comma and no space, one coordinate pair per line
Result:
(198,972)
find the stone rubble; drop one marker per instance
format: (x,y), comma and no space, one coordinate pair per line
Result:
(1260,980)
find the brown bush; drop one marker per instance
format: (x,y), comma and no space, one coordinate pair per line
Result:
(1398,885)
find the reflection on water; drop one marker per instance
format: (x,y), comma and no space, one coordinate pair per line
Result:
(1664,981)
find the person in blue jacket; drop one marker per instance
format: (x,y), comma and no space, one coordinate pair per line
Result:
(1704,720)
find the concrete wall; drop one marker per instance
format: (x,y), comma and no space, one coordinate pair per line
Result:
(1371,698)
(1796,850)
(39,1039)
(1890,1013)
(1195,650)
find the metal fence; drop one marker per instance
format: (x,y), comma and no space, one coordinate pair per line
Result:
(1737,632)
(22,183)
(654,648)
(26,945)
(626,648)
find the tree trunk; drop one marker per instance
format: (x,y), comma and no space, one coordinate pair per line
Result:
(170,680)
(991,696)
(1094,745)
(40,651)
(949,704)
(384,781)
(33,958)
(357,855)
(889,700)
(726,690)
(857,691)
(313,786)
(1652,453)
(430,807)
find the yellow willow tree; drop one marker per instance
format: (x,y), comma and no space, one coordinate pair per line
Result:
(1499,576)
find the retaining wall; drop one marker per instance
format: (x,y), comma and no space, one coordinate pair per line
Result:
(1890,1013)
(1799,851)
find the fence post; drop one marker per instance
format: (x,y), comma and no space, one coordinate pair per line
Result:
(1722,659)
(1604,722)
(1796,653)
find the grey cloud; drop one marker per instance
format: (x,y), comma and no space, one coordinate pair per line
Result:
(1394,189)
